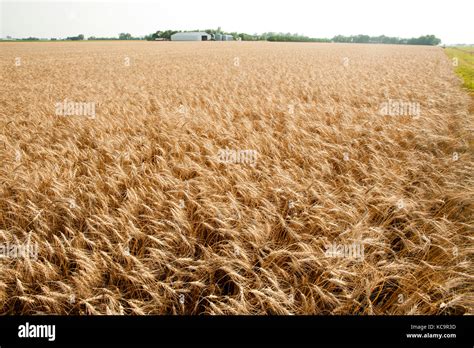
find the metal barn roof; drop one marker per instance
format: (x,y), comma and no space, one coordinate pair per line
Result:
(191,36)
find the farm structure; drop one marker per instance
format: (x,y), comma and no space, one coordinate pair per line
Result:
(200,36)
(223,37)
(191,36)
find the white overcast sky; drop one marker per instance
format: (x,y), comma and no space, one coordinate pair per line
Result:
(450,20)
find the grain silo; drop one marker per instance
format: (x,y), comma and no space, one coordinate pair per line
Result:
(191,36)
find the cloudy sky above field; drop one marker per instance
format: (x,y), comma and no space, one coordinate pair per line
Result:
(449,20)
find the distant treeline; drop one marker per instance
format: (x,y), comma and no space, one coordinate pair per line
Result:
(122,36)
(294,38)
(382,39)
(166,35)
(289,37)
(80,37)
(270,36)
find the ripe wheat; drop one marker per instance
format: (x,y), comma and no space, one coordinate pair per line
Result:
(134,212)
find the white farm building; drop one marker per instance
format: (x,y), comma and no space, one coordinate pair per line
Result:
(227,38)
(191,36)
(223,37)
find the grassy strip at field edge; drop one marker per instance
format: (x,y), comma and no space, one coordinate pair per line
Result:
(465,64)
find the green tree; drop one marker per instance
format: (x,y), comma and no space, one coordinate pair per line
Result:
(125,36)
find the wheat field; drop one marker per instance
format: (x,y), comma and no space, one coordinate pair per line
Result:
(213,178)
